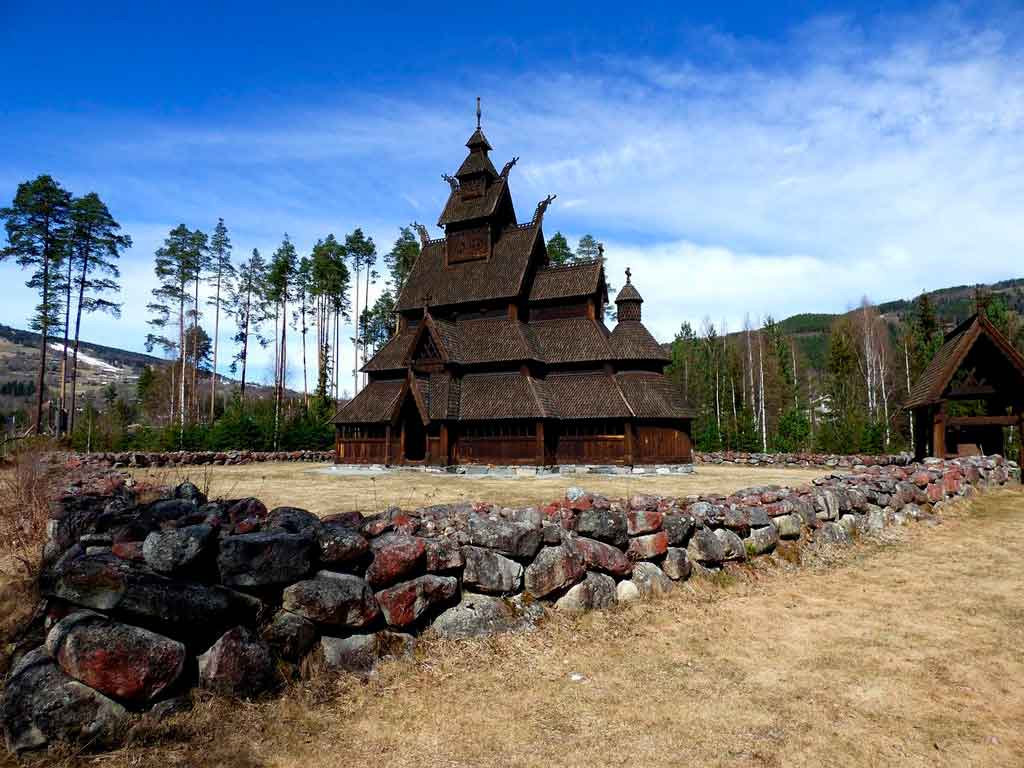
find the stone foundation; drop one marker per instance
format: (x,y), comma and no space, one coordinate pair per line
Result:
(147,598)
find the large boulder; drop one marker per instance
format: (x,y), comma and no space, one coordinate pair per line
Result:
(126,662)
(443,554)
(238,664)
(643,521)
(788,526)
(604,525)
(705,548)
(395,557)
(596,591)
(340,545)
(184,611)
(359,654)
(292,520)
(762,540)
(832,533)
(677,565)
(513,539)
(731,544)
(404,603)
(487,571)
(650,580)
(598,556)
(487,615)
(190,492)
(264,559)
(290,635)
(335,599)
(41,705)
(679,528)
(553,569)
(648,547)
(179,550)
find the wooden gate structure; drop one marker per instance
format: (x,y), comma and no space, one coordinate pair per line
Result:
(970,392)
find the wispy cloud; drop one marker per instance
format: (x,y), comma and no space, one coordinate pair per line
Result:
(850,158)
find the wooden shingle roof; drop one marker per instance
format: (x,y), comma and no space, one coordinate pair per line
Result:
(930,387)
(653,396)
(570,281)
(511,395)
(571,340)
(587,395)
(375,403)
(457,209)
(630,340)
(499,277)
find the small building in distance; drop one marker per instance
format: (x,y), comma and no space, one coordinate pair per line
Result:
(970,392)
(502,358)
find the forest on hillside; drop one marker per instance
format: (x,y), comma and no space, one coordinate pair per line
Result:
(810,382)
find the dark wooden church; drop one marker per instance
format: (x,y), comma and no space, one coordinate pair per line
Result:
(971,390)
(502,358)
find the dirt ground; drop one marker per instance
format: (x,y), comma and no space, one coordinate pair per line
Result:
(326,492)
(904,653)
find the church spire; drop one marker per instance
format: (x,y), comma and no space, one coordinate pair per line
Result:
(628,300)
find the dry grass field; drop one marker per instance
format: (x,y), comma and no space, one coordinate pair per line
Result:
(324,492)
(903,653)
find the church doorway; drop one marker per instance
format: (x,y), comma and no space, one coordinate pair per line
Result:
(414,434)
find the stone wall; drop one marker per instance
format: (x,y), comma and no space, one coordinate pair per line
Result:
(221,458)
(824,460)
(146,598)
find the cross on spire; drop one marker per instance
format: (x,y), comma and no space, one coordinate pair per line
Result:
(628,275)
(478,113)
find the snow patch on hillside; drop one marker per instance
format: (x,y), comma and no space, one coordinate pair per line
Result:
(84,359)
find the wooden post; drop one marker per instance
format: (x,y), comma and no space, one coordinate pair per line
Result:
(627,432)
(445,460)
(387,445)
(337,445)
(400,459)
(540,443)
(939,435)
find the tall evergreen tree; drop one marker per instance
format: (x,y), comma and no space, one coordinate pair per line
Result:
(280,287)
(96,245)
(329,287)
(201,267)
(222,272)
(176,265)
(37,224)
(303,314)
(559,252)
(362,255)
(401,258)
(247,307)
(588,249)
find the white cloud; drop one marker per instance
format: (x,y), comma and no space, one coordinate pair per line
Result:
(845,160)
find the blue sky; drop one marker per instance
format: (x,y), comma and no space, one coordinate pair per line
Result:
(754,159)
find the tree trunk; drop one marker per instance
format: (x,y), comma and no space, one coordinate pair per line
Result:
(910,414)
(195,353)
(216,339)
(64,353)
(74,354)
(764,423)
(355,370)
(181,384)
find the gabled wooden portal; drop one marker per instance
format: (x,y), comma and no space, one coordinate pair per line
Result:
(972,389)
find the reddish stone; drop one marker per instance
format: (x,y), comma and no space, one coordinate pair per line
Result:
(935,492)
(403,603)
(648,547)
(584,502)
(126,662)
(376,525)
(643,521)
(598,556)
(128,550)
(920,479)
(238,664)
(397,558)
(443,554)
(951,483)
(246,508)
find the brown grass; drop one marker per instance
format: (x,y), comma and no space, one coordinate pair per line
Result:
(907,652)
(311,488)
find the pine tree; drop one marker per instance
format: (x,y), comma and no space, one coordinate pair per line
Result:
(247,307)
(588,249)
(96,245)
(279,293)
(303,314)
(176,266)
(222,272)
(37,224)
(329,287)
(559,252)
(362,255)
(401,258)
(201,267)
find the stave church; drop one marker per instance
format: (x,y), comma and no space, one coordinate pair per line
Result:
(502,358)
